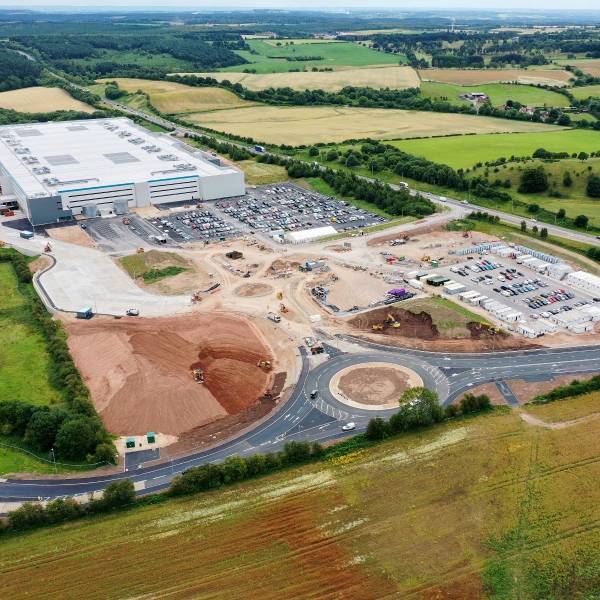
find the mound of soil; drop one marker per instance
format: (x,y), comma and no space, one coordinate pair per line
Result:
(283,265)
(411,325)
(482,331)
(139,371)
(250,290)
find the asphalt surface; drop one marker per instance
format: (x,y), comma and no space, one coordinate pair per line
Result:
(322,418)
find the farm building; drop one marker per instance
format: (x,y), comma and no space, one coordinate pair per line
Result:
(99,167)
(584,281)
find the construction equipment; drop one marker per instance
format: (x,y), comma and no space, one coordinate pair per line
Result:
(47,247)
(234,255)
(425,258)
(1,244)
(198,375)
(265,365)
(279,295)
(196,297)
(126,221)
(465,234)
(7,212)
(140,251)
(283,308)
(377,327)
(391,321)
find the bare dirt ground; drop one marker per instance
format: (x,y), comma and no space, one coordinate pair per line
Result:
(251,290)
(72,234)
(375,385)
(139,371)
(525,391)
(490,390)
(40,263)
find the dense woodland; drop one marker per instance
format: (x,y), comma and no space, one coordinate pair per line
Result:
(17,71)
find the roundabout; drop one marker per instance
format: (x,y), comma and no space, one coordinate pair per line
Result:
(373,385)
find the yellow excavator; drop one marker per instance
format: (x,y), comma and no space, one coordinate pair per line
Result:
(391,321)
(265,365)
(377,327)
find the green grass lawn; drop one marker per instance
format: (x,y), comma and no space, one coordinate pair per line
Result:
(24,360)
(334,54)
(498,93)
(586,91)
(467,150)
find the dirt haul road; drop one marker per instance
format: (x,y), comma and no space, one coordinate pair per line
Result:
(140,371)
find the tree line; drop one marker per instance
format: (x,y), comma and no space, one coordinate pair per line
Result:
(419,409)
(17,71)
(74,430)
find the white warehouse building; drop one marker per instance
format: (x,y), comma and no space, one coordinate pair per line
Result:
(99,167)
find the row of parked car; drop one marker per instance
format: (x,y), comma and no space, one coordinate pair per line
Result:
(549,298)
(476,267)
(194,225)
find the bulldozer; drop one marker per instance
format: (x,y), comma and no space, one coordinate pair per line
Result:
(377,327)
(265,365)
(391,321)
(198,375)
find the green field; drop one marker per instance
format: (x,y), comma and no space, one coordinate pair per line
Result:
(24,360)
(574,200)
(585,92)
(486,507)
(465,151)
(334,55)
(499,93)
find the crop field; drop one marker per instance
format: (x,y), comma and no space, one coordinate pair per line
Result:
(42,100)
(586,91)
(268,58)
(465,151)
(575,408)
(498,93)
(591,66)
(308,125)
(332,81)
(479,76)
(24,360)
(175,98)
(489,501)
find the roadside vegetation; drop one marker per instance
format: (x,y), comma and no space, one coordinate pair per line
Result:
(56,411)
(507,518)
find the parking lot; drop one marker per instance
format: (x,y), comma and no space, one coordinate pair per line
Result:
(515,285)
(197,225)
(286,207)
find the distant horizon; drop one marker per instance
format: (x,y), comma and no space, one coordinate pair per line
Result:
(535,7)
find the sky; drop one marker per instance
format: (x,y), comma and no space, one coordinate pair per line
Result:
(397,5)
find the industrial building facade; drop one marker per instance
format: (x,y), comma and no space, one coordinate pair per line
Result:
(101,167)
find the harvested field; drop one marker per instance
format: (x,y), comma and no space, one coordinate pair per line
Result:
(413,517)
(331,81)
(139,371)
(587,405)
(252,290)
(174,98)
(308,125)
(72,234)
(554,77)
(41,100)
(591,66)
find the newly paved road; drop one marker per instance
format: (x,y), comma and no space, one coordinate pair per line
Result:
(321,419)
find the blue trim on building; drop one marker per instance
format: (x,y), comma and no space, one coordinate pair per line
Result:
(95,187)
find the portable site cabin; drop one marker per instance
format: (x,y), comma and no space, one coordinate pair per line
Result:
(85,313)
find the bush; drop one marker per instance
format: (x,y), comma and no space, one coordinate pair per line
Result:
(593,186)
(581,221)
(76,438)
(118,494)
(470,403)
(377,429)
(533,180)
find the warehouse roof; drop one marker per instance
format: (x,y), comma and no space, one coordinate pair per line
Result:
(304,235)
(50,158)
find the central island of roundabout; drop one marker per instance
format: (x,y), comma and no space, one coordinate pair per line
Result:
(368,384)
